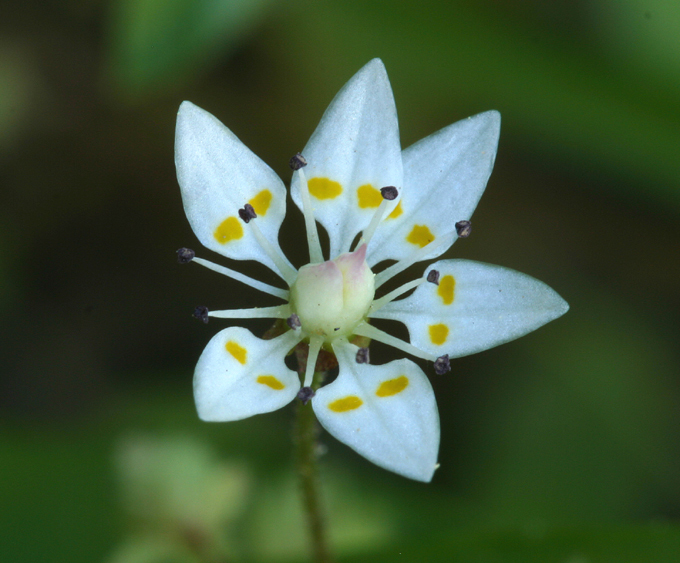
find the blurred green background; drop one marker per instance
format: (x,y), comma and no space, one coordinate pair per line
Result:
(563,446)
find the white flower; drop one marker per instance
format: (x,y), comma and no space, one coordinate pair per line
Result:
(410,206)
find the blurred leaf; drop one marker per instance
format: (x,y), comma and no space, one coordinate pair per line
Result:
(151,550)
(184,500)
(611,544)
(174,480)
(17,94)
(158,44)
(643,33)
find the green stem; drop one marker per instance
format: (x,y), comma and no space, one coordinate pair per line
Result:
(307,431)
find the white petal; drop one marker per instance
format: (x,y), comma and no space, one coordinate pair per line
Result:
(355,145)
(476,306)
(444,176)
(386,413)
(218,175)
(239,375)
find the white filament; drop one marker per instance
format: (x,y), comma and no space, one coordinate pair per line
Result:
(367,235)
(264,287)
(288,273)
(374,333)
(314,348)
(279,312)
(416,256)
(315,253)
(392,295)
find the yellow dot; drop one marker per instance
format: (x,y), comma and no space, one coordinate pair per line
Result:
(368,196)
(270,381)
(392,386)
(345,404)
(323,188)
(238,351)
(229,229)
(438,334)
(398,210)
(420,236)
(445,290)
(261,202)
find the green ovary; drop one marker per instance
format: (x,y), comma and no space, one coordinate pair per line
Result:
(333,297)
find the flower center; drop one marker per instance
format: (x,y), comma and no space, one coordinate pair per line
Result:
(333,297)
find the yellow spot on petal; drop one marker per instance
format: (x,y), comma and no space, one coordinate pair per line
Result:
(438,334)
(398,210)
(392,386)
(420,236)
(238,351)
(345,404)
(270,381)
(445,290)
(261,202)
(229,229)
(323,188)
(368,196)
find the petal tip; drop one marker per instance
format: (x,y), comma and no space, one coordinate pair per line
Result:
(188,115)
(205,411)
(375,63)
(186,108)
(373,70)
(424,476)
(492,119)
(561,307)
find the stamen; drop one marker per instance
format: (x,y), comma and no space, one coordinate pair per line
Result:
(297,163)
(294,322)
(238,276)
(374,333)
(185,255)
(305,394)
(392,295)
(416,256)
(280,312)
(201,313)
(433,277)
(314,347)
(463,228)
(389,193)
(363,356)
(288,273)
(442,365)
(247,213)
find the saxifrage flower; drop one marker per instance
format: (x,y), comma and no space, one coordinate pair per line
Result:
(409,206)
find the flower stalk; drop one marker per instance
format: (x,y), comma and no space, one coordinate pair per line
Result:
(307,461)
